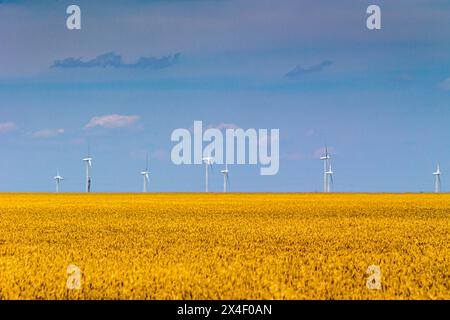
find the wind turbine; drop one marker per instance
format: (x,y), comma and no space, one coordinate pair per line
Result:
(58,180)
(325,160)
(146,176)
(88,161)
(330,177)
(437,180)
(208,163)
(225,178)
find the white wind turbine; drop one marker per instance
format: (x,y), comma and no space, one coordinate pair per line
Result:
(58,180)
(88,162)
(146,176)
(326,158)
(437,180)
(225,173)
(208,163)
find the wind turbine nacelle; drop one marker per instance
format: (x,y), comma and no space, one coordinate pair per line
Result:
(208,160)
(88,161)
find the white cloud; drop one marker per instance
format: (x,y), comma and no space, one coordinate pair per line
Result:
(445,84)
(220,126)
(112,121)
(48,133)
(7,127)
(224,126)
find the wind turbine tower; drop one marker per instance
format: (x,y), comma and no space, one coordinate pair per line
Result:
(326,159)
(330,180)
(225,173)
(88,162)
(208,163)
(437,180)
(58,180)
(146,176)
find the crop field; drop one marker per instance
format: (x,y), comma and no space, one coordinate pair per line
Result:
(224,246)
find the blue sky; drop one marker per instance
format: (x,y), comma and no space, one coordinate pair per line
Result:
(379,99)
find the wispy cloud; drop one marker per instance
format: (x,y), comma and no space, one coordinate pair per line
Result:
(220,126)
(224,126)
(48,133)
(6,127)
(445,85)
(112,121)
(114,60)
(300,71)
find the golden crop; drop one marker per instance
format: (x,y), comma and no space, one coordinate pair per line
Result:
(224,246)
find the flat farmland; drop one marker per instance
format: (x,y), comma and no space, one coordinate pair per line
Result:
(224,246)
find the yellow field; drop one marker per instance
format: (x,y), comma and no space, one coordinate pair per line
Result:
(235,246)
